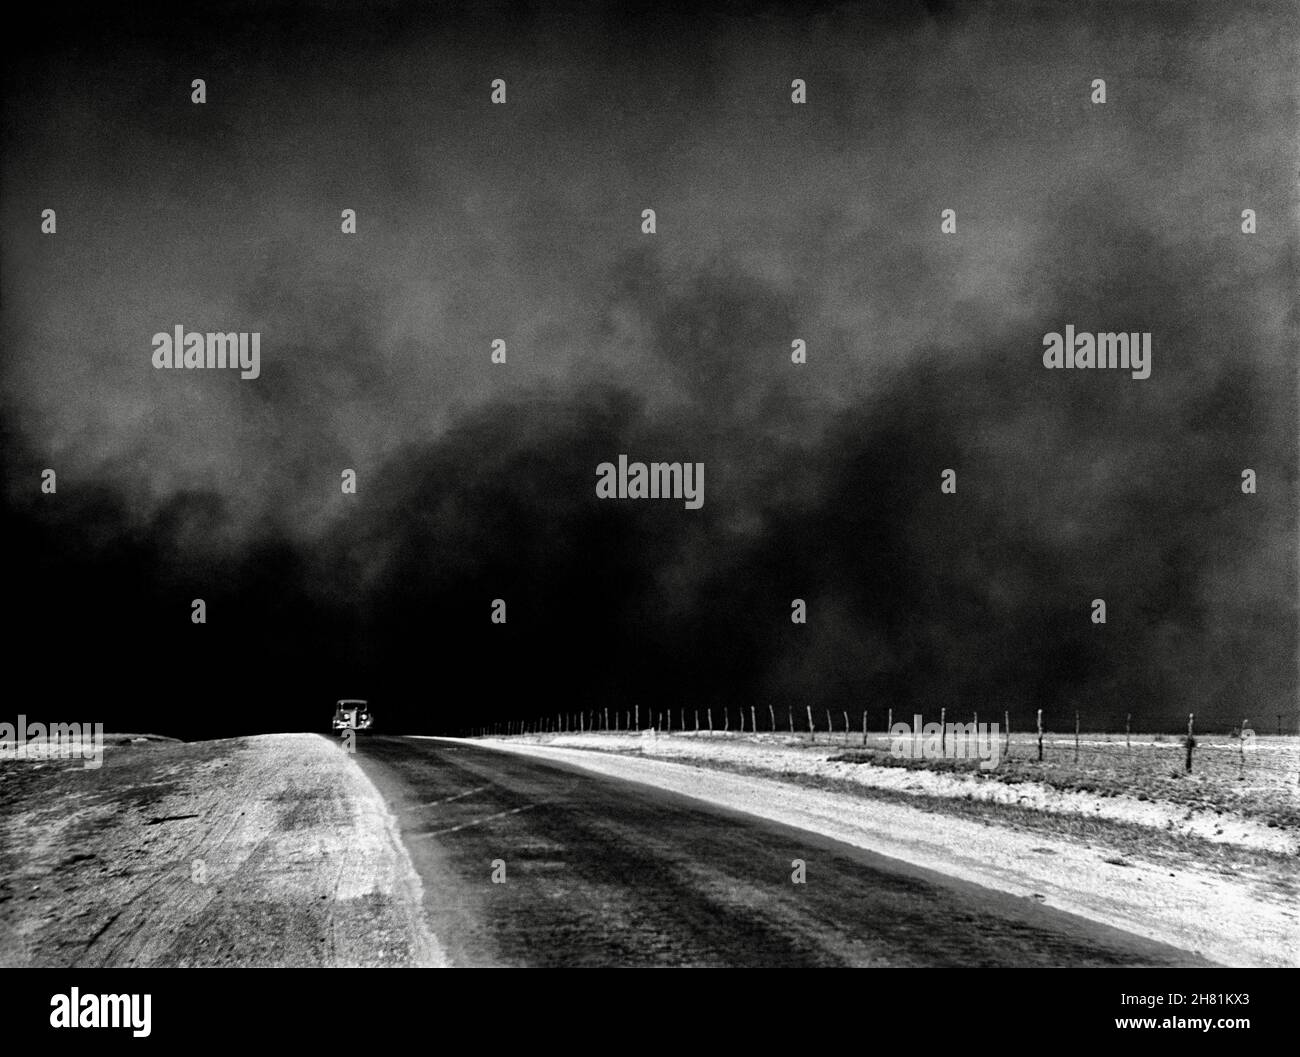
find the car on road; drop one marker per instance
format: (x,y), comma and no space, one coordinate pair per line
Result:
(352,714)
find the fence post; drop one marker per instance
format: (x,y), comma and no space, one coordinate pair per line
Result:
(726,720)
(753,718)
(943,732)
(771,715)
(1076,737)
(864,728)
(812,733)
(1128,737)
(1191,741)
(709,713)
(1040,735)
(830,726)
(790,712)
(1006,733)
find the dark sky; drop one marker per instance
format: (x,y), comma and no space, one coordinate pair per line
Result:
(775,222)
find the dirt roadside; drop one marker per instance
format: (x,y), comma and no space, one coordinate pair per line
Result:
(262,851)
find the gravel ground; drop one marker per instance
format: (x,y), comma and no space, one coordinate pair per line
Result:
(266,851)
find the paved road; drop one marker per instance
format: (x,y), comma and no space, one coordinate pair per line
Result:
(601,872)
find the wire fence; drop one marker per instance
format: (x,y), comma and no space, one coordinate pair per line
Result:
(1042,739)
(809,721)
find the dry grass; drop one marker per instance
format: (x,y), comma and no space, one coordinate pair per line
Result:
(1259,779)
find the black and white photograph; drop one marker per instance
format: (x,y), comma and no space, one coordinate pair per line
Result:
(581,485)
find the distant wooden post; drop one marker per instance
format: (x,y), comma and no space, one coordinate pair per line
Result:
(697,721)
(771,715)
(1040,735)
(812,733)
(753,718)
(830,727)
(846,728)
(741,712)
(864,727)
(710,714)
(1242,747)
(726,720)
(889,723)
(790,716)
(1076,737)
(1006,733)
(1191,741)
(1128,736)
(681,715)
(636,715)
(943,732)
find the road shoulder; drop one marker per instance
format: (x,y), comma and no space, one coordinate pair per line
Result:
(261,851)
